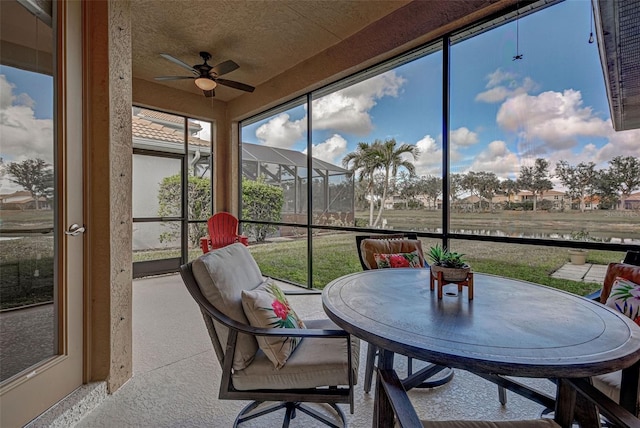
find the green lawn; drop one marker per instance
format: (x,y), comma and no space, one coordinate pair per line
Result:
(335,255)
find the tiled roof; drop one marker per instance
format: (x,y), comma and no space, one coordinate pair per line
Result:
(161,115)
(145,128)
(634,197)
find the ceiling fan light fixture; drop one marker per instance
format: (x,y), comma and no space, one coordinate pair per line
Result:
(205,83)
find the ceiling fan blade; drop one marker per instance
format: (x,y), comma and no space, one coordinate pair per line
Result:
(209,94)
(235,85)
(180,63)
(174,77)
(224,68)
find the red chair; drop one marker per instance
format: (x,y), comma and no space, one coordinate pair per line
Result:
(223,231)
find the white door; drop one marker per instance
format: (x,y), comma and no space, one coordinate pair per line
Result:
(41,279)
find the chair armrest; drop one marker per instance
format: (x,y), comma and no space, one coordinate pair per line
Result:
(244,240)
(594,296)
(392,393)
(615,413)
(204,244)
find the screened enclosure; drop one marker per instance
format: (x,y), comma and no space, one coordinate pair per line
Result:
(332,187)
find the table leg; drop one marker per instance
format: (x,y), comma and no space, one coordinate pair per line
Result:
(565,403)
(571,406)
(629,388)
(383,412)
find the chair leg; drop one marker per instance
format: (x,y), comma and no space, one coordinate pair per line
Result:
(290,413)
(372,350)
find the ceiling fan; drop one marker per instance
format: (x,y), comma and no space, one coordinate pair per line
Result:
(207,77)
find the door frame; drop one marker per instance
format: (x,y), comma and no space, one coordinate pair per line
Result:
(36,389)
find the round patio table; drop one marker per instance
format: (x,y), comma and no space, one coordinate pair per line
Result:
(511,327)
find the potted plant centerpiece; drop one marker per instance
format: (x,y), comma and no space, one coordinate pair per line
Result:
(452,265)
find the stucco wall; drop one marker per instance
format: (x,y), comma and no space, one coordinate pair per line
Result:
(107,27)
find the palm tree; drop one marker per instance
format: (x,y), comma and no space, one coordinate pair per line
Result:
(390,158)
(364,162)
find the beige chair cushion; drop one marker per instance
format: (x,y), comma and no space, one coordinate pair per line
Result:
(266,306)
(370,247)
(222,275)
(537,423)
(316,362)
(610,384)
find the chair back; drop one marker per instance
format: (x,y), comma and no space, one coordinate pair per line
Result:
(368,245)
(223,229)
(632,258)
(186,271)
(216,281)
(615,270)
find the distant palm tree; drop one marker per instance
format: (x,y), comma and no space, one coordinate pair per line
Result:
(364,162)
(390,158)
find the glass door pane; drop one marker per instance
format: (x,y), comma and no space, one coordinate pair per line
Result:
(27,196)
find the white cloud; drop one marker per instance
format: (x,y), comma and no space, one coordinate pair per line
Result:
(347,110)
(6,93)
(281,132)
(623,143)
(498,159)
(344,111)
(430,159)
(332,150)
(463,137)
(499,76)
(555,119)
(502,85)
(23,136)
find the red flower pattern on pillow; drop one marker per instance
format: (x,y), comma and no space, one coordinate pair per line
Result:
(280,309)
(398,260)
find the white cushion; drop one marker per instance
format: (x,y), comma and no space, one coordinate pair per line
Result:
(222,275)
(315,363)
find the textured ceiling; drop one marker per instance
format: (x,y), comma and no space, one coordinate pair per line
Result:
(264,37)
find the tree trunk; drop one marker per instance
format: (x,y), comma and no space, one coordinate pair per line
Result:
(535,199)
(384,196)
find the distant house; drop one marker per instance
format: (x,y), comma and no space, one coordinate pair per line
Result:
(591,203)
(559,200)
(22,200)
(632,202)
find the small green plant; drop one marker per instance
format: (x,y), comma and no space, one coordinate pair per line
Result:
(441,256)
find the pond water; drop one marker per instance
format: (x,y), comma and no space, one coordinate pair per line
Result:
(632,238)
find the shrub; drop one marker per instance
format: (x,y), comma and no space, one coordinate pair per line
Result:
(170,199)
(263,202)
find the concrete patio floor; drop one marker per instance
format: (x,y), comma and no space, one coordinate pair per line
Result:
(176,374)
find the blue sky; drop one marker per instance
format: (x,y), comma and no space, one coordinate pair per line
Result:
(26,122)
(37,86)
(504,113)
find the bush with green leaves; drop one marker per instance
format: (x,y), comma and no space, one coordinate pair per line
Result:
(263,202)
(169,199)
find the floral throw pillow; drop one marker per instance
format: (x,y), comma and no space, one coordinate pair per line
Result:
(625,298)
(267,307)
(398,260)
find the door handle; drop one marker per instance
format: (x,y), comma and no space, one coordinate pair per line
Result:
(74,230)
